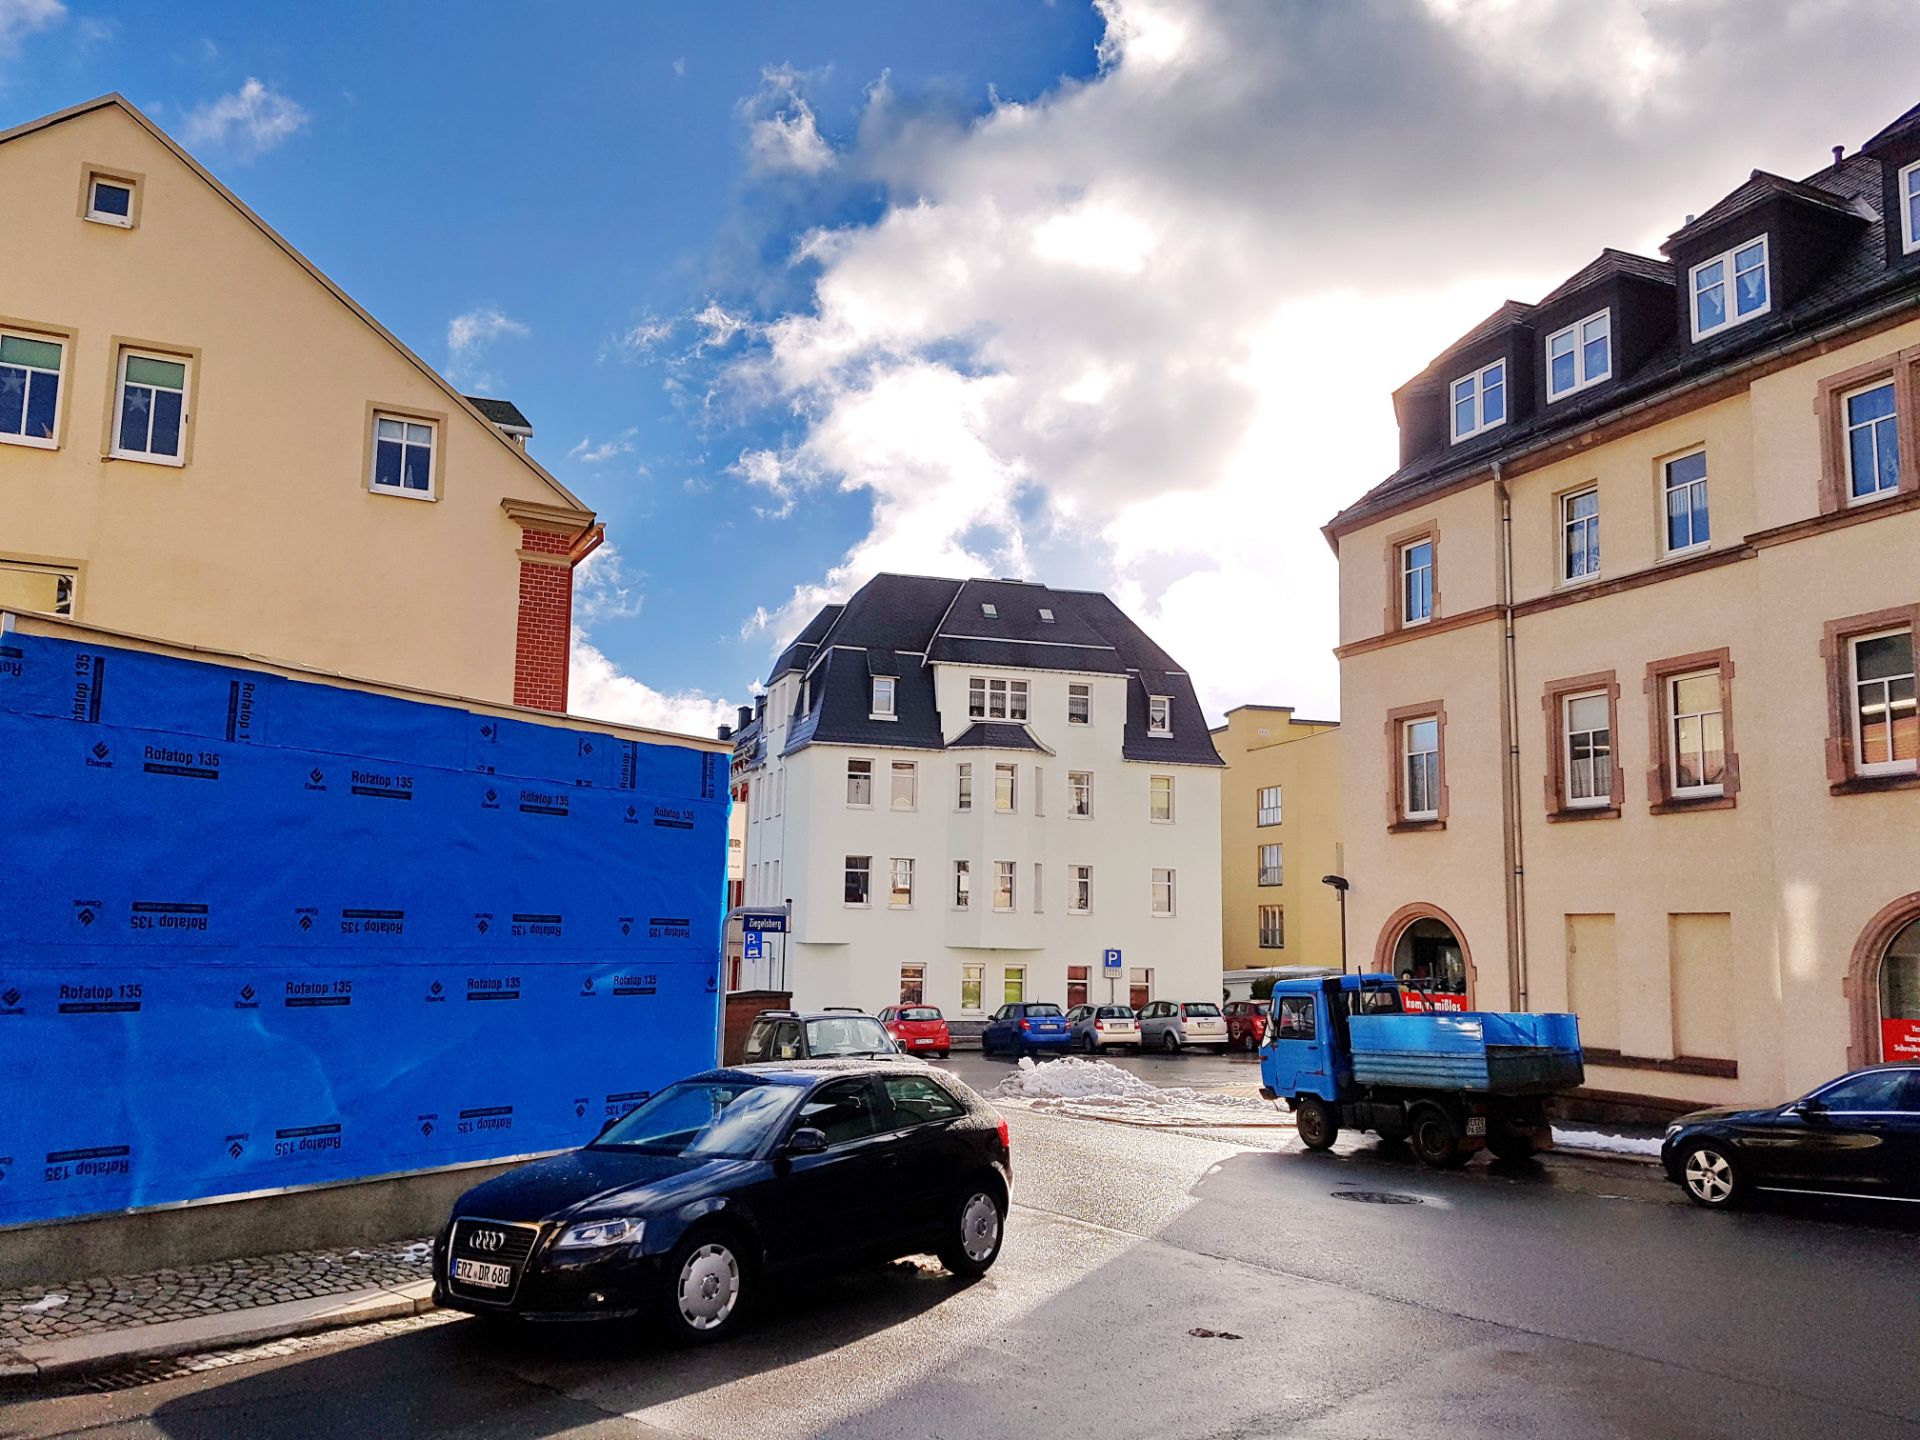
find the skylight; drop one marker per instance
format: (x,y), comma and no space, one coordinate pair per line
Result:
(1046,617)
(990,611)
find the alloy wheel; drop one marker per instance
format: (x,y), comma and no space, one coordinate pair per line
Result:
(1709,1176)
(980,1227)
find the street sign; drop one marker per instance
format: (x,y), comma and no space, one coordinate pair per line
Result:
(767,924)
(753,945)
(1110,961)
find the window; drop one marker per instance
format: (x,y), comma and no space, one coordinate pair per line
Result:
(1160,799)
(1872,442)
(882,708)
(1588,776)
(906,784)
(1003,885)
(110,199)
(403,456)
(1039,791)
(1909,192)
(1580,534)
(1139,986)
(842,1112)
(996,699)
(1697,758)
(916,1100)
(1479,401)
(1267,805)
(1077,984)
(1730,289)
(1271,871)
(962,884)
(1420,741)
(1046,616)
(1079,704)
(1163,892)
(1580,355)
(1416,582)
(30,371)
(963,786)
(1039,888)
(1013,984)
(973,980)
(1273,927)
(860,783)
(900,897)
(27,586)
(1295,1018)
(1003,792)
(1159,715)
(1886,728)
(859,879)
(1686,486)
(913,984)
(1080,794)
(1079,889)
(151,408)
(991,611)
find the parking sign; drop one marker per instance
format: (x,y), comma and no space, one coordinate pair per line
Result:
(753,945)
(1110,961)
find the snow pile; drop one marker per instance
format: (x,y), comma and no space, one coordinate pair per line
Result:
(1605,1144)
(1096,1089)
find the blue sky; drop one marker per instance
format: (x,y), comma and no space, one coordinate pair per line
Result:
(1108,295)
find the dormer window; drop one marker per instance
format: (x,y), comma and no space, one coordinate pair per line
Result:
(1479,401)
(1730,289)
(1909,192)
(882,706)
(1580,355)
(1159,715)
(992,612)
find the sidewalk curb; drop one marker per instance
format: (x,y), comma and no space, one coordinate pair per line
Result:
(110,1349)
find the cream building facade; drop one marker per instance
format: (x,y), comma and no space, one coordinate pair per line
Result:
(1668,782)
(1279,835)
(202,439)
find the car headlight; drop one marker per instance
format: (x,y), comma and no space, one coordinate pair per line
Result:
(598,1234)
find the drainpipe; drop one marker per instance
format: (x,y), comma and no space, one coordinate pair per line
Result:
(1513,840)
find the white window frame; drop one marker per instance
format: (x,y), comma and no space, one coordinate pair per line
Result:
(1407,756)
(1278,930)
(899,868)
(1010,976)
(1879,767)
(1084,694)
(1158,785)
(976,976)
(97,178)
(963,885)
(911,771)
(1578,332)
(1667,488)
(916,976)
(852,776)
(1261,810)
(1160,715)
(432,427)
(1568,522)
(1080,794)
(1728,277)
(881,707)
(64,345)
(1407,571)
(148,457)
(1604,797)
(990,610)
(1673,719)
(1046,616)
(1162,887)
(1270,865)
(849,868)
(963,787)
(1907,189)
(1006,880)
(996,698)
(1012,774)
(1477,383)
(1847,427)
(1080,889)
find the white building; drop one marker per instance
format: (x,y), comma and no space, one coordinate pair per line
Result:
(969,792)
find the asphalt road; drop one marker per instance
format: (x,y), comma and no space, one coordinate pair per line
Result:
(1581,1298)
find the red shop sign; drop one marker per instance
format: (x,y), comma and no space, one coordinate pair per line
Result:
(1900,1039)
(1416,1002)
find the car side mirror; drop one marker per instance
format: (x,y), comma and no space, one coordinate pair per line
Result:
(805,1141)
(1809,1109)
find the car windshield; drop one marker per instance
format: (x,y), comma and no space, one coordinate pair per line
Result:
(847,1035)
(1208,1009)
(1035,1011)
(919,1012)
(721,1119)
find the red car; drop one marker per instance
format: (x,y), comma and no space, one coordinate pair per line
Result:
(1247,1023)
(920,1029)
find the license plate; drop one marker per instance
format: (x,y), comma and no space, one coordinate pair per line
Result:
(1476,1125)
(478,1272)
(923,1040)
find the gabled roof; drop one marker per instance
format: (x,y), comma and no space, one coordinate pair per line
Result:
(503,413)
(584,515)
(1510,314)
(1901,126)
(1605,266)
(996,735)
(1758,188)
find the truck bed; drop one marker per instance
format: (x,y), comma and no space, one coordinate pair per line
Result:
(1501,1054)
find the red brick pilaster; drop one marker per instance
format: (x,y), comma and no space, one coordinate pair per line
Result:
(544,631)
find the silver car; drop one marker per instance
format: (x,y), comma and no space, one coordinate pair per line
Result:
(1170,1024)
(1100,1027)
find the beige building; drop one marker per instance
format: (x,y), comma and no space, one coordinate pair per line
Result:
(1279,834)
(1669,782)
(203,439)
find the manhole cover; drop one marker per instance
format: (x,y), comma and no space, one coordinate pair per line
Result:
(1377,1197)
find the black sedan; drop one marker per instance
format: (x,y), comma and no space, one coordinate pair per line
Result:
(1858,1135)
(683,1208)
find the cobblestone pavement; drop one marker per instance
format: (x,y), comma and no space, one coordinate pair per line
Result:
(37,1313)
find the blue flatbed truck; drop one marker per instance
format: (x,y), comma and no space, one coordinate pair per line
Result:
(1343,1053)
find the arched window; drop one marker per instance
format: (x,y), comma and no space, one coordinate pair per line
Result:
(1900,995)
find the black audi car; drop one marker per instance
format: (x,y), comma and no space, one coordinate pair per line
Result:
(1858,1136)
(686,1206)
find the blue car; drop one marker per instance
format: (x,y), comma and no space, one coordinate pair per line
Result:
(1026,1030)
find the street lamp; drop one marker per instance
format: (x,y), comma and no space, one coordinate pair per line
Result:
(1339,883)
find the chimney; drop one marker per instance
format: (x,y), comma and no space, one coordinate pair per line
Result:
(726,732)
(744,716)
(1839,153)
(760,703)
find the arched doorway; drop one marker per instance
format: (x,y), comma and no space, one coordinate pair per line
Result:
(1883,982)
(1423,946)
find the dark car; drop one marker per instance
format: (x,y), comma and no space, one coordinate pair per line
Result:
(1026,1029)
(685,1207)
(1858,1135)
(783,1035)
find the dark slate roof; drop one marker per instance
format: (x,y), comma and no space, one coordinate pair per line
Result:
(1905,123)
(503,413)
(1605,266)
(800,652)
(996,735)
(1758,188)
(1857,282)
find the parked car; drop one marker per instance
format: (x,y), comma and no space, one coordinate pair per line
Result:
(1858,1136)
(1171,1024)
(784,1035)
(918,1029)
(1094,1028)
(1026,1029)
(1247,1023)
(686,1207)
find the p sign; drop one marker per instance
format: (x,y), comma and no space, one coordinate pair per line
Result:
(752,939)
(1110,961)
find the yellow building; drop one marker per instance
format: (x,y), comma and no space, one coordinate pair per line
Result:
(1668,782)
(203,439)
(1279,833)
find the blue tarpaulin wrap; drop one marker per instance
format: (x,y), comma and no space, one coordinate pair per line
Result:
(258,932)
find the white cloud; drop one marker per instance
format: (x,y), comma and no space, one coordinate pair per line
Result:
(248,123)
(1140,332)
(680,66)
(21,18)
(598,690)
(470,336)
(782,134)
(602,589)
(641,338)
(588,453)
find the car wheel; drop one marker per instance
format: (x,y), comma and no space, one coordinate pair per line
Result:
(1511,1147)
(1169,1042)
(1086,1044)
(1434,1142)
(1313,1119)
(1708,1176)
(978,1226)
(705,1288)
